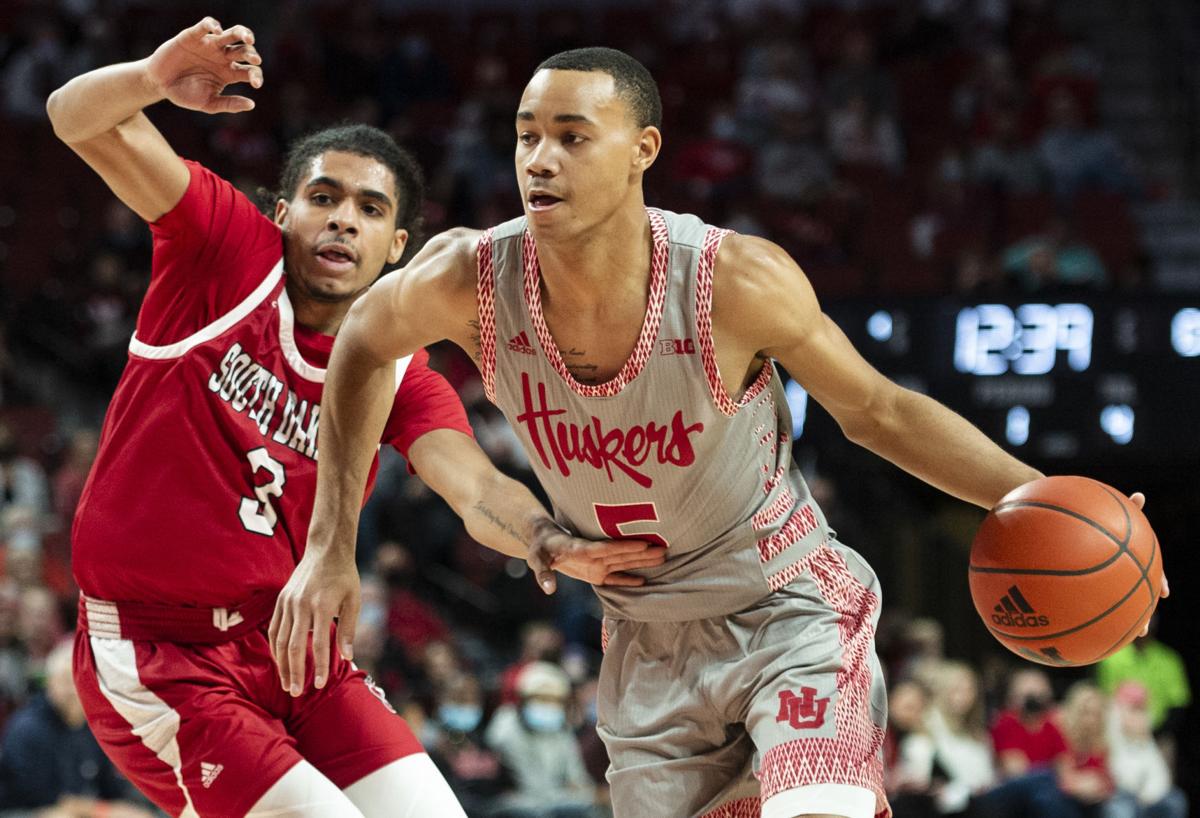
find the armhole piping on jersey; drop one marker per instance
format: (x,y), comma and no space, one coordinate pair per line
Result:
(708,355)
(213,330)
(485,295)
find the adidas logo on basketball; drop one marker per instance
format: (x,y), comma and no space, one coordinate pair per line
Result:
(1014,611)
(520,343)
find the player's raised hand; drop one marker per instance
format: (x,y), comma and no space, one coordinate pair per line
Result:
(597,562)
(324,585)
(197,64)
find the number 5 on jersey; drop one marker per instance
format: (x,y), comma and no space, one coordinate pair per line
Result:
(612,517)
(257,513)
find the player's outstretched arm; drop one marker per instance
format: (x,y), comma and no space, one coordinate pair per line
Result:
(99,114)
(425,302)
(759,287)
(504,515)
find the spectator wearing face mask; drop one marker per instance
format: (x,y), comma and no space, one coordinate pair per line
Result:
(1027,744)
(454,738)
(1024,736)
(536,742)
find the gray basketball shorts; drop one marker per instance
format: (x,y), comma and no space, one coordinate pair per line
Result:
(774,711)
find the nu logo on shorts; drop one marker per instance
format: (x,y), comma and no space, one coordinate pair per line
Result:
(803,711)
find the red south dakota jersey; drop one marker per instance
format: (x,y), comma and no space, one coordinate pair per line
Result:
(203,486)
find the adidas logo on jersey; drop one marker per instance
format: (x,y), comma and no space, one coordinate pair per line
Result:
(520,343)
(209,773)
(1014,611)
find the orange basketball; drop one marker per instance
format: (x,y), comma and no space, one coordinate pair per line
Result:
(1065,571)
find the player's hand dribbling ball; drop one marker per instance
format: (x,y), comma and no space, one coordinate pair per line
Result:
(1065,571)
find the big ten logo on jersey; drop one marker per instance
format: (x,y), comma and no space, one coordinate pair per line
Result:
(677,346)
(250,388)
(591,443)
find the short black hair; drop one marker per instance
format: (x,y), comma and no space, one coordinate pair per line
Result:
(633,82)
(362,140)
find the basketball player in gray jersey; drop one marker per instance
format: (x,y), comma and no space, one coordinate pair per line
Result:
(633,352)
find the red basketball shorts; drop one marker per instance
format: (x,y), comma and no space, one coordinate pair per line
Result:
(206,729)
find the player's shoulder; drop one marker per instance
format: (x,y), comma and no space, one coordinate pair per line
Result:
(455,251)
(756,270)
(752,255)
(446,264)
(760,293)
(211,203)
(461,241)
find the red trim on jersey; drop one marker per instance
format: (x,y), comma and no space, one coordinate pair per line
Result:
(485,295)
(659,259)
(740,808)
(853,755)
(802,523)
(704,295)
(776,511)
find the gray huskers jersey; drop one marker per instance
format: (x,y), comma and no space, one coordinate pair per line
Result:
(660,452)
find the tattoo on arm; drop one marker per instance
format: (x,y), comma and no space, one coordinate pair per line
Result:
(503,525)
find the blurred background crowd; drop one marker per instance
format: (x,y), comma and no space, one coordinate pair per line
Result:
(894,147)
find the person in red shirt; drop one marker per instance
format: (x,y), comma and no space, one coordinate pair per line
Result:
(1031,751)
(1024,735)
(197,508)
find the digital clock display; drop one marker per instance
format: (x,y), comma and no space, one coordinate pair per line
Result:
(991,339)
(1063,380)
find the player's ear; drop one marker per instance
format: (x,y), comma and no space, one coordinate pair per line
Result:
(281,211)
(399,240)
(647,147)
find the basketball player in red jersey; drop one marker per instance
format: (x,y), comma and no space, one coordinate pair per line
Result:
(632,350)
(197,508)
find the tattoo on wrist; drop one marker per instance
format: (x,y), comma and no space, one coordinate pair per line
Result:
(504,525)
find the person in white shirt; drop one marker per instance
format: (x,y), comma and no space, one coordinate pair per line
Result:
(535,741)
(1143,779)
(955,725)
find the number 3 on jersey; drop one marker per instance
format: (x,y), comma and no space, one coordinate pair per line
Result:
(257,513)
(612,517)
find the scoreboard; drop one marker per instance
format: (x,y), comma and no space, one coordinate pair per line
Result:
(1077,378)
